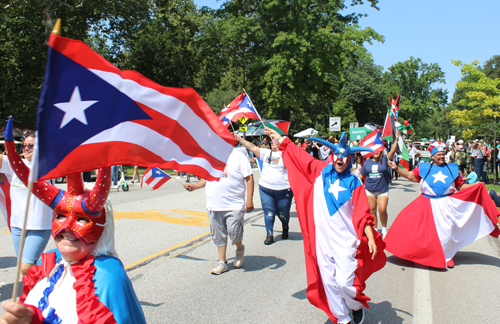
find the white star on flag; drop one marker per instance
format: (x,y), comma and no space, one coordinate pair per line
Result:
(75,108)
(439,177)
(335,188)
(341,150)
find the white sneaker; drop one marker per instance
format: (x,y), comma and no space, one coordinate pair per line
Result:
(238,260)
(220,268)
(384,232)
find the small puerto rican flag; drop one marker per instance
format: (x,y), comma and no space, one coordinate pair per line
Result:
(155,178)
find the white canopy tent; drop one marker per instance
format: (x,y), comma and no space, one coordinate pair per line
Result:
(306,133)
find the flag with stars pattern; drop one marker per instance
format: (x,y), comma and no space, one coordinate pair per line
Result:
(93,115)
(155,178)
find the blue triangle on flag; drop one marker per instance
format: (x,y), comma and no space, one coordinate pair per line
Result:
(158,173)
(62,76)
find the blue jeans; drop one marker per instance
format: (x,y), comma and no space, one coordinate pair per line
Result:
(494,196)
(479,170)
(275,202)
(35,243)
(115,174)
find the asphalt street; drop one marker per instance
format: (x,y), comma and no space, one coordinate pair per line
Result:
(162,238)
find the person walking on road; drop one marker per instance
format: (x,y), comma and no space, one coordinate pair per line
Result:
(341,248)
(377,174)
(274,188)
(448,215)
(226,206)
(38,224)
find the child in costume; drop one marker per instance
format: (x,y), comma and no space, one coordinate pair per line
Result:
(448,215)
(83,281)
(341,248)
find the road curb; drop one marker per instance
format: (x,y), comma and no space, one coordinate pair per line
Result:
(183,248)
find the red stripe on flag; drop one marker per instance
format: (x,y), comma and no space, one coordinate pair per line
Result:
(122,153)
(80,53)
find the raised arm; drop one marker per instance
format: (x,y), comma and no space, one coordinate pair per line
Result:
(402,172)
(249,146)
(390,156)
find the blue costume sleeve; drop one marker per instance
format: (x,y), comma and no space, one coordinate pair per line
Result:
(114,289)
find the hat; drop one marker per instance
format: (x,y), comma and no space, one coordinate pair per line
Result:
(460,142)
(436,147)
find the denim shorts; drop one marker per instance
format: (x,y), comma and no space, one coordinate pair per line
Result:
(35,243)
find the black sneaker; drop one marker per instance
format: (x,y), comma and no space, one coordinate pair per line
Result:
(284,234)
(269,240)
(358,316)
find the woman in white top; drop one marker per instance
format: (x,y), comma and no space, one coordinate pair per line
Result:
(274,188)
(38,225)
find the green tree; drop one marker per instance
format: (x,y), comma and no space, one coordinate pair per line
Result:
(482,99)
(289,56)
(415,80)
(24,29)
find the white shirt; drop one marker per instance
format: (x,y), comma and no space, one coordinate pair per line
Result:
(229,192)
(39,214)
(274,175)
(324,151)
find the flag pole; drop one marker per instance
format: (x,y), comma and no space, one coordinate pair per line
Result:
(56,31)
(275,142)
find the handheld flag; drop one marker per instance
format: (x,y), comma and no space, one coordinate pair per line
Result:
(281,126)
(387,132)
(373,141)
(404,163)
(240,107)
(395,107)
(155,178)
(93,115)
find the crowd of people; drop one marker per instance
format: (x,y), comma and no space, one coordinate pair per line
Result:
(341,190)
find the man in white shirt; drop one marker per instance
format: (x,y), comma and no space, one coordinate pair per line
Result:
(226,206)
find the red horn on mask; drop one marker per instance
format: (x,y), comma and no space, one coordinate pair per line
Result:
(75,184)
(44,191)
(96,199)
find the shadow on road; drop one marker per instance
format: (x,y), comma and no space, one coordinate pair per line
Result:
(7,262)
(475,258)
(6,291)
(256,263)
(302,295)
(410,264)
(383,313)
(143,303)
(409,190)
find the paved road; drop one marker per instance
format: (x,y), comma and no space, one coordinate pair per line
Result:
(162,238)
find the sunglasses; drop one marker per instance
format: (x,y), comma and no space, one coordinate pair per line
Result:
(28,146)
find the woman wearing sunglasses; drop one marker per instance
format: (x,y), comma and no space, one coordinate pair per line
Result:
(274,188)
(38,226)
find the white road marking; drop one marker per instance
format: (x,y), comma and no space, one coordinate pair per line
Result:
(422,300)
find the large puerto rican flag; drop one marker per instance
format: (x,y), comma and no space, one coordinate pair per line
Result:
(5,199)
(333,211)
(92,115)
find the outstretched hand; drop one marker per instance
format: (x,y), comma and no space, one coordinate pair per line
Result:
(16,313)
(274,135)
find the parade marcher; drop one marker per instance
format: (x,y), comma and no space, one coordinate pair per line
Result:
(83,281)
(376,175)
(274,188)
(447,216)
(341,248)
(39,216)
(226,206)
(358,165)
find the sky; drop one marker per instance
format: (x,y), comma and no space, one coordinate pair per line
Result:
(435,31)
